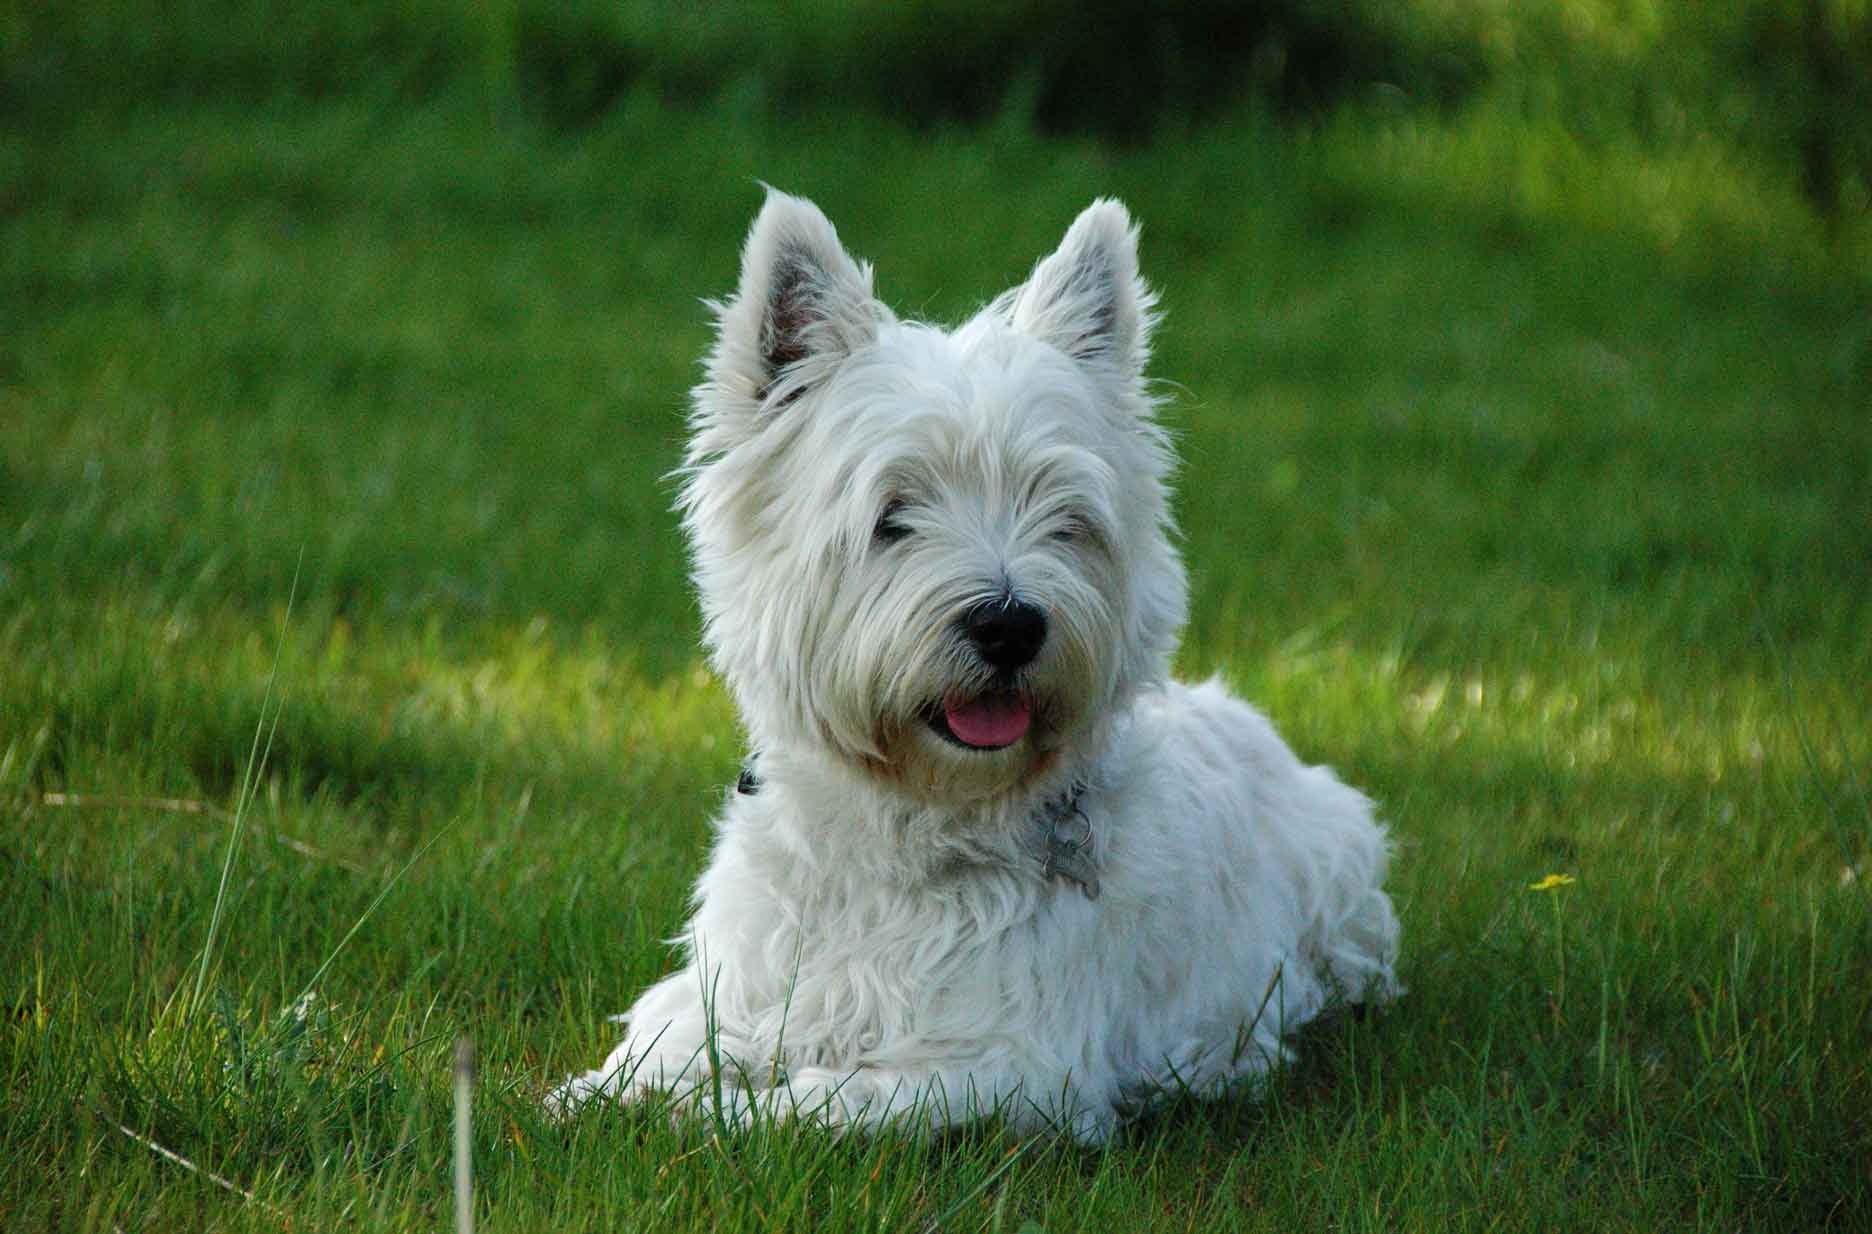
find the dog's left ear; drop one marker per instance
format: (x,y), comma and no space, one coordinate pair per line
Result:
(1087,299)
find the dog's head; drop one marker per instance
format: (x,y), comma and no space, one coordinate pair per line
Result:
(941,556)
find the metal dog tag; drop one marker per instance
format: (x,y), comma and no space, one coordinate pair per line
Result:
(1069,845)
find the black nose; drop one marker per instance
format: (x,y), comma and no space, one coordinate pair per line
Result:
(1007,633)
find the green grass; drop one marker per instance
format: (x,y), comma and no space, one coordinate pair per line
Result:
(1542,518)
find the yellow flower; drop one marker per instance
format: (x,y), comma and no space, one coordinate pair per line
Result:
(1551,881)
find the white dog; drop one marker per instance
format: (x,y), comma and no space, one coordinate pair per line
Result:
(987,856)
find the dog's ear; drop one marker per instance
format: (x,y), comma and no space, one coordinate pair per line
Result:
(1087,299)
(803,305)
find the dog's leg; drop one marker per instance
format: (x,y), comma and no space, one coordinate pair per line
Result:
(673,1047)
(857,1100)
(869,1098)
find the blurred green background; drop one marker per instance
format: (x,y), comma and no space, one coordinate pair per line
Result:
(1784,84)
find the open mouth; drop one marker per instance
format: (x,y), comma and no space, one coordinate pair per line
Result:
(992,721)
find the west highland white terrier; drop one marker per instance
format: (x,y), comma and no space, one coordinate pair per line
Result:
(986,855)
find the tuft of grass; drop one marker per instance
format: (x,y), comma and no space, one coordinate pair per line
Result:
(1543,520)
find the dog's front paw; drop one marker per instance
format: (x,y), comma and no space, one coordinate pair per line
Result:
(576,1092)
(823,1098)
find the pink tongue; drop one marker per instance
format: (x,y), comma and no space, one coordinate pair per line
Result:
(991,720)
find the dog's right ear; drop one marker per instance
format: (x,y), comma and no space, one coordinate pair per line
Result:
(803,306)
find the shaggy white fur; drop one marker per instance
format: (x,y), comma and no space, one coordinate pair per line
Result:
(989,857)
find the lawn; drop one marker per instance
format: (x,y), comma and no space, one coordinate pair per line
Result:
(350,700)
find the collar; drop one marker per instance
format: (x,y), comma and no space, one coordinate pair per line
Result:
(1065,833)
(1066,841)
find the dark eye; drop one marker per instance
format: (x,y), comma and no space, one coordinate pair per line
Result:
(1071,529)
(888,529)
